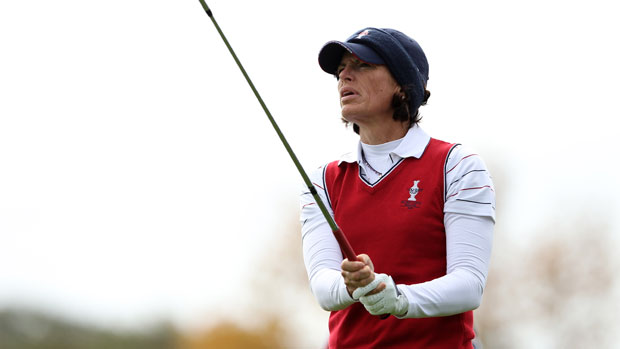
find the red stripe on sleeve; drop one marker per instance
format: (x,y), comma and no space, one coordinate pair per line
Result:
(460,162)
(485,186)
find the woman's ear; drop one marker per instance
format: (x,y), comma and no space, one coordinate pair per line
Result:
(399,94)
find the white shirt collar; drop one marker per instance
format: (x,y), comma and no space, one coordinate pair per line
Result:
(413,145)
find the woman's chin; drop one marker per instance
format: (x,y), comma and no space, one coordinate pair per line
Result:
(350,114)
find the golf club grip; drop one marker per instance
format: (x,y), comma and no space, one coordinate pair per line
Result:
(349,254)
(345,245)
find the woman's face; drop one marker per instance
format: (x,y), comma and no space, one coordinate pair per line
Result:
(366,91)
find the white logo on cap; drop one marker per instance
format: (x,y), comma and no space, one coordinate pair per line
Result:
(362,34)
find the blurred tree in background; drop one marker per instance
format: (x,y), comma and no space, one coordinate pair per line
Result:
(555,288)
(283,311)
(558,292)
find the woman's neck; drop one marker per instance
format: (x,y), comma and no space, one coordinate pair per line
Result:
(383,133)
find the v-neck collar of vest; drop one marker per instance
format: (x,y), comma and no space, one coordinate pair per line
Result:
(413,145)
(382,178)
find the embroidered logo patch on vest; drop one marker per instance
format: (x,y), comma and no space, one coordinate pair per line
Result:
(413,191)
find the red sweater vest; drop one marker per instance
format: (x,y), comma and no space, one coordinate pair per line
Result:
(399,223)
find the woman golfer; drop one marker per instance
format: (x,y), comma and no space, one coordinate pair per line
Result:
(420,210)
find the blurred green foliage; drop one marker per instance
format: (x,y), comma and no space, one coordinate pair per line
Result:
(26,329)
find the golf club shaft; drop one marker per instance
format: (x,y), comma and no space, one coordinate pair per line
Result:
(342,240)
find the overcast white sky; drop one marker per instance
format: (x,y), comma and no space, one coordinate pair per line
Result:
(137,170)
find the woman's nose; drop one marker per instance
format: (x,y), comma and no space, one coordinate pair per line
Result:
(346,73)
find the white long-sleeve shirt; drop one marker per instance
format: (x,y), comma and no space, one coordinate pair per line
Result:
(469,216)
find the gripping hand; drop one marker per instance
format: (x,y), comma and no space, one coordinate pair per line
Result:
(388,301)
(362,291)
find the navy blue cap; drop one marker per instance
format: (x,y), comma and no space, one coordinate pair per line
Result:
(332,52)
(401,54)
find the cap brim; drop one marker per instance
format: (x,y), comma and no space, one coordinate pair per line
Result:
(331,55)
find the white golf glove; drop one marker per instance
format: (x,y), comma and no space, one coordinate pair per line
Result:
(388,301)
(362,291)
